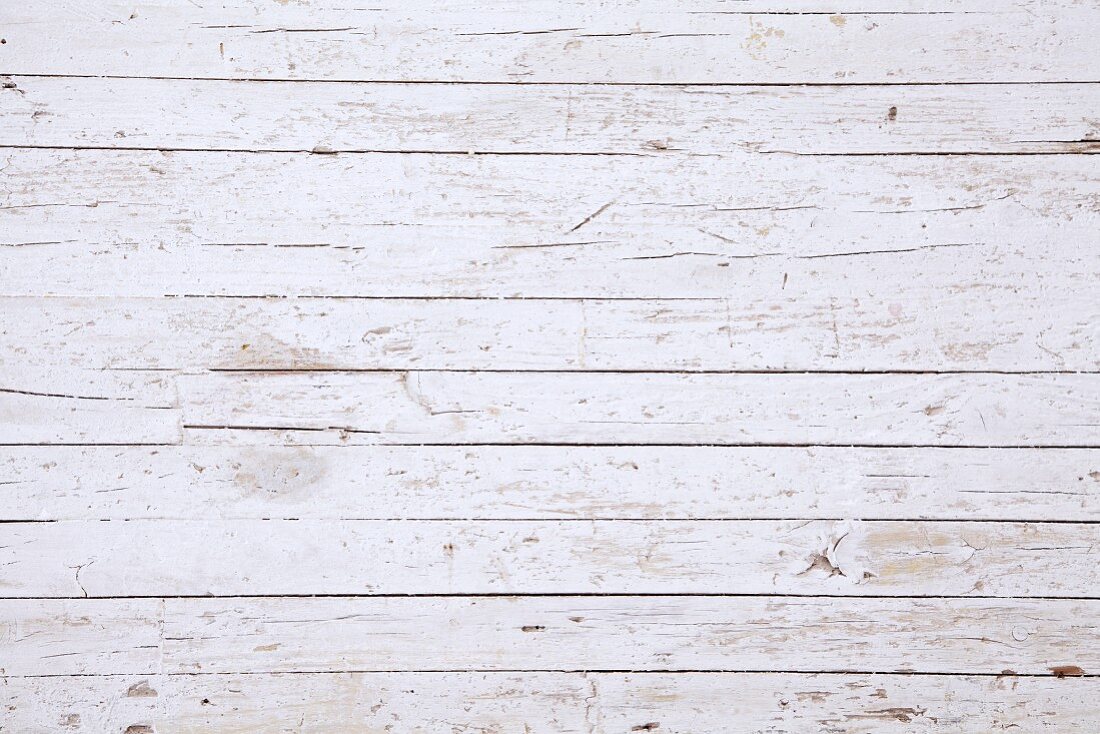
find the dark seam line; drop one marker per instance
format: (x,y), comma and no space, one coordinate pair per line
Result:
(733,447)
(557,595)
(548,519)
(1093,147)
(566,671)
(610,371)
(951,83)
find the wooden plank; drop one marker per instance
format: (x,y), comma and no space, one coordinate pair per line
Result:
(546,483)
(237,557)
(577,703)
(92,637)
(818,326)
(43,405)
(161,114)
(597,408)
(751,228)
(645,41)
(628,408)
(248,635)
(549,366)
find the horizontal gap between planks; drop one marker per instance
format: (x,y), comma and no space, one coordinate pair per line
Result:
(549,595)
(408,297)
(606,371)
(573,671)
(353,518)
(287,80)
(1093,147)
(352,297)
(746,444)
(665,444)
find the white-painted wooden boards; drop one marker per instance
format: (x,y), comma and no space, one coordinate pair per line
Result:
(576,703)
(594,367)
(485,118)
(547,483)
(277,557)
(894,325)
(883,41)
(562,408)
(553,408)
(266,635)
(151,223)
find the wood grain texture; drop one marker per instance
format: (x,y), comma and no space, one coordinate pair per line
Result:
(236,116)
(228,558)
(641,41)
(651,408)
(909,326)
(577,703)
(560,633)
(148,223)
(419,408)
(521,367)
(546,483)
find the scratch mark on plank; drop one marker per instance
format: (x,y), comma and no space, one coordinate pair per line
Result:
(592,216)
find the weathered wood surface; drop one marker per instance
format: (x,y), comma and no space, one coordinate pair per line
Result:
(910,325)
(229,558)
(547,483)
(573,703)
(418,408)
(1043,637)
(549,366)
(882,41)
(236,116)
(743,226)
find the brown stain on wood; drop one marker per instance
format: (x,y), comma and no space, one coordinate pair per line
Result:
(140,690)
(1065,671)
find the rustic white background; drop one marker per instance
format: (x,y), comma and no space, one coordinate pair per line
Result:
(682,366)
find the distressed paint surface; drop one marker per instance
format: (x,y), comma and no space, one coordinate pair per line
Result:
(547,483)
(129,113)
(549,367)
(576,703)
(576,41)
(572,557)
(509,633)
(891,326)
